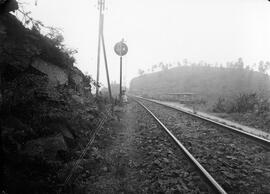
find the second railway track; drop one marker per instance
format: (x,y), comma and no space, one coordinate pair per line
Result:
(263,141)
(238,165)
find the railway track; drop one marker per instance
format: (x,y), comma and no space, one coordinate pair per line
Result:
(264,142)
(236,165)
(206,176)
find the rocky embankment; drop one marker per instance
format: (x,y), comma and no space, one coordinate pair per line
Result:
(47,110)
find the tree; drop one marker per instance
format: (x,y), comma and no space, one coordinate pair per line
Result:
(240,63)
(185,62)
(141,72)
(263,67)
(160,65)
(164,67)
(267,66)
(154,67)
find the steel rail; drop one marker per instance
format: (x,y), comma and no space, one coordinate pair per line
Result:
(259,140)
(211,182)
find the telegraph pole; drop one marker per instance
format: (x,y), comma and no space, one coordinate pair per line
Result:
(101,7)
(106,66)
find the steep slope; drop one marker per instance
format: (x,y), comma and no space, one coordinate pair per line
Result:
(47,110)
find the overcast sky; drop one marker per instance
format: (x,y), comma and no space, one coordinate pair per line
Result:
(161,30)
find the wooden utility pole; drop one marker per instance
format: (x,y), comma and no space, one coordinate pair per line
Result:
(101,7)
(98,55)
(106,66)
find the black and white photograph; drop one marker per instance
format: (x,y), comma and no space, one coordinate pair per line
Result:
(135,96)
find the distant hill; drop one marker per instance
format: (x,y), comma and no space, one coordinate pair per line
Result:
(209,82)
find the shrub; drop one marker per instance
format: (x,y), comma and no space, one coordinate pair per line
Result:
(243,103)
(219,106)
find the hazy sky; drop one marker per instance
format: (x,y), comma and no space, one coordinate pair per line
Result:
(161,30)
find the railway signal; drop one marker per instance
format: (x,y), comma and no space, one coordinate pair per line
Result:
(120,49)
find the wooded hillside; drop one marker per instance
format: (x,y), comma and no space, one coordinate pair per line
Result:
(210,83)
(207,81)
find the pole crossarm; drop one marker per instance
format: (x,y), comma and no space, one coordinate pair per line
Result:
(101,5)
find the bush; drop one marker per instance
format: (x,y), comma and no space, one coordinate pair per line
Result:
(263,106)
(243,103)
(219,106)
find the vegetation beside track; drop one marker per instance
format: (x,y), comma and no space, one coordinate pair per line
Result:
(47,110)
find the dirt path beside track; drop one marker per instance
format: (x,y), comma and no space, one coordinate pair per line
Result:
(135,156)
(118,174)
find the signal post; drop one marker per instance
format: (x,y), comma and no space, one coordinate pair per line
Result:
(120,49)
